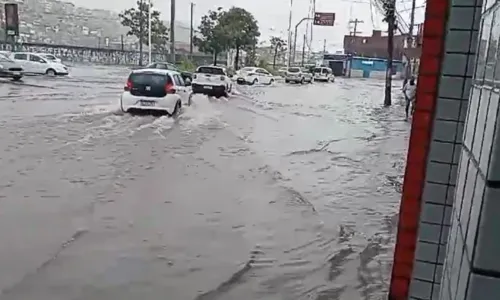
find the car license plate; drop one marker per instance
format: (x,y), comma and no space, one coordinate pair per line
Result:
(17,73)
(148,103)
(208,87)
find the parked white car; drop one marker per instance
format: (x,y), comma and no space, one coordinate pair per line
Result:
(155,91)
(33,63)
(324,74)
(252,76)
(298,75)
(212,81)
(50,57)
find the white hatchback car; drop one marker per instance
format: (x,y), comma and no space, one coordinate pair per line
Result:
(34,63)
(324,74)
(154,91)
(250,75)
(211,81)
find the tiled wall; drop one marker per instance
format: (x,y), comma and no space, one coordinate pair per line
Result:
(455,84)
(472,267)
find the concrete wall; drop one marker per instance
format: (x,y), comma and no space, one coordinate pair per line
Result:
(105,56)
(472,267)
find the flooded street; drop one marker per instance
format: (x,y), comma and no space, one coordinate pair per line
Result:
(282,192)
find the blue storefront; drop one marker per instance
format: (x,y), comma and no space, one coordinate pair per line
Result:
(367,67)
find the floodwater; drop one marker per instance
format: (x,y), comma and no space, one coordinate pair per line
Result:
(281,192)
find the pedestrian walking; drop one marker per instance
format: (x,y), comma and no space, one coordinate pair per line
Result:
(410,92)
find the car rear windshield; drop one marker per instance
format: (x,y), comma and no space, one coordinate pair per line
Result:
(294,70)
(208,70)
(152,79)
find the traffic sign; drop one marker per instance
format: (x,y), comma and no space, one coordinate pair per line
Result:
(324,19)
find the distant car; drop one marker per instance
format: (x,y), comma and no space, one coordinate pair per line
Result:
(50,57)
(282,72)
(212,81)
(250,75)
(154,91)
(34,63)
(172,67)
(298,75)
(10,69)
(323,74)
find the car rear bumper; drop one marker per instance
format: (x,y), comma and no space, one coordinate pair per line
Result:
(130,103)
(294,79)
(208,89)
(9,73)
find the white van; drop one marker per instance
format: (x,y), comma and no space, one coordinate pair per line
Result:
(34,63)
(324,74)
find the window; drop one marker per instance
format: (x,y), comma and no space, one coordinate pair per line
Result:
(162,66)
(35,58)
(21,56)
(181,80)
(4,58)
(177,80)
(210,70)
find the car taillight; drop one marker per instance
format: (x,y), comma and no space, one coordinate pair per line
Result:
(129,86)
(169,88)
(222,78)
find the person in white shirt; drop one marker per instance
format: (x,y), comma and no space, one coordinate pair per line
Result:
(410,92)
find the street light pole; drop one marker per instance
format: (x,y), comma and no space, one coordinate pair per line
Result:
(289,34)
(149,32)
(191,33)
(295,37)
(172,31)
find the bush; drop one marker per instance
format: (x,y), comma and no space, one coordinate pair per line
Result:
(187,65)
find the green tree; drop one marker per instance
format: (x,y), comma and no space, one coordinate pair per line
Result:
(212,38)
(278,45)
(136,19)
(241,29)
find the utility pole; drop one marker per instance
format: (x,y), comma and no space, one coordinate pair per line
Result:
(150,46)
(355,22)
(172,31)
(304,49)
(324,46)
(289,35)
(191,33)
(141,30)
(410,39)
(390,10)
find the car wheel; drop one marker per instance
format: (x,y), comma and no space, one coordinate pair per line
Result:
(302,80)
(17,78)
(51,72)
(287,81)
(271,82)
(254,81)
(177,109)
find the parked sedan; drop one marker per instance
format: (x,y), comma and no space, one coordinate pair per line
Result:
(10,69)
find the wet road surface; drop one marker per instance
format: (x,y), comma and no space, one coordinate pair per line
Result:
(282,192)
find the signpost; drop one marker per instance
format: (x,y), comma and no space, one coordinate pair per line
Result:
(11,23)
(324,19)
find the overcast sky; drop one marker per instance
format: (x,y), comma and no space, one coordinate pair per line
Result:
(272,15)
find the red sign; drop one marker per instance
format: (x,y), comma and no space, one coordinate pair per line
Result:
(324,19)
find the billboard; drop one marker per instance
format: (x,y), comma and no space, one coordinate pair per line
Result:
(11,19)
(324,19)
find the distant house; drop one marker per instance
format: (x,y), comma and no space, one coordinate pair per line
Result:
(373,46)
